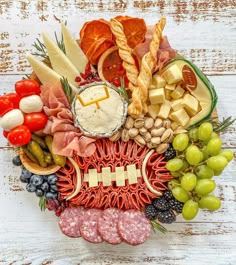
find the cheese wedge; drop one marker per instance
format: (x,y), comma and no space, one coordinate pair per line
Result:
(59,61)
(44,73)
(73,50)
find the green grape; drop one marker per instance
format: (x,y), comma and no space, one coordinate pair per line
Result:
(204,186)
(193,155)
(180,142)
(204,172)
(228,154)
(217,162)
(175,174)
(185,165)
(204,131)
(210,202)
(193,134)
(214,146)
(174,164)
(217,172)
(205,152)
(173,183)
(190,210)
(180,194)
(214,135)
(188,181)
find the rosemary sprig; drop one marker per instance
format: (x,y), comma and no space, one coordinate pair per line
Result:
(220,126)
(42,203)
(60,43)
(159,227)
(121,89)
(41,50)
(67,89)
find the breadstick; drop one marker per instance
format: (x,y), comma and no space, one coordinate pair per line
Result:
(125,53)
(148,64)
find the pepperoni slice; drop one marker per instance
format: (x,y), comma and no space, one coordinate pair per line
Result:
(134,227)
(108,226)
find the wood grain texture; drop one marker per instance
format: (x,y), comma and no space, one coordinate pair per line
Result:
(204,32)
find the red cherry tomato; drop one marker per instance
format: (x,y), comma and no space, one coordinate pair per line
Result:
(35,121)
(5,105)
(27,87)
(5,133)
(19,136)
(14,98)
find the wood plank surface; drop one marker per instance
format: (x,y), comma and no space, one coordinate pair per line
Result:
(202,31)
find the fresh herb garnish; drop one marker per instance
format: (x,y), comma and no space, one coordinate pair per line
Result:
(157,226)
(220,126)
(42,203)
(41,50)
(121,89)
(67,89)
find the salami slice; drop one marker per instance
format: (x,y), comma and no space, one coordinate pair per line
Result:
(70,221)
(108,226)
(134,227)
(89,226)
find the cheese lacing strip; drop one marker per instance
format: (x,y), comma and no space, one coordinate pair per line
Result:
(125,53)
(148,64)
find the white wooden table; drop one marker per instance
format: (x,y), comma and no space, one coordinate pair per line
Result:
(204,32)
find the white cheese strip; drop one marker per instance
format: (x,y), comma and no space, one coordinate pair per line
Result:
(106,176)
(59,61)
(93,178)
(120,176)
(73,50)
(132,174)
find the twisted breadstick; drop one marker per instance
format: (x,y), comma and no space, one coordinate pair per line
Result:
(125,53)
(148,63)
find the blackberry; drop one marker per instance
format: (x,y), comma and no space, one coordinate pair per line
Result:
(166,217)
(161,204)
(168,195)
(176,205)
(170,153)
(150,211)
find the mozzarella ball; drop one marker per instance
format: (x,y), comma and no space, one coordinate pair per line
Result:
(31,104)
(12,119)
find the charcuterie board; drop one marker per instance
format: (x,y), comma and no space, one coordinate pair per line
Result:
(115,131)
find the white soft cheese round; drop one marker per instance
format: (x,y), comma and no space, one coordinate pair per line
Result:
(31,104)
(101,120)
(12,119)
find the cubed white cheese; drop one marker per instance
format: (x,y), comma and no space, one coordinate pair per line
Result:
(177,104)
(164,110)
(153,110)
(191,104)
(178,92)
(181,117)
(158,81)
(172,75)
(170,87)
(157,96)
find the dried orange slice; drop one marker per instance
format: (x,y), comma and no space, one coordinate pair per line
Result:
(134,28)
(97,49)
(94,30)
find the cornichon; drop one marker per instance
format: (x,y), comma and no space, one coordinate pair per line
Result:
(58,159)
(39,140)
(37,152)
(29,154)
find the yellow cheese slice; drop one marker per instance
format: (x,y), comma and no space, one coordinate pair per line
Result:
(132,174)
(59,61)
(106,176)
(120,176)
(73,50)
(93,178)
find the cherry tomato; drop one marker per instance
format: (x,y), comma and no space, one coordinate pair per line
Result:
(27,87)
(19,136)
(14,98)
(5,105)
(35,121)
(5,133)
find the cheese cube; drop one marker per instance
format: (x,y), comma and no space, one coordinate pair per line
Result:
(170,87)
(168,94)
(157,96)
(181,117)
(164,110)
(172,75)
(178,92)
(152,87)
(177,104)
(153,110)
(174,125)
(191,104)
(158,81)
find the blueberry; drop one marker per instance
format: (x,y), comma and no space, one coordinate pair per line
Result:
(24,179)
(45,186)
(52,179)
(36,180)
(53,188)
(26,173)
(30,187)
(39,192)
(16,161)
(51,196)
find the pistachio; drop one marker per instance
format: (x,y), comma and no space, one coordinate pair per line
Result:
(156,140)
(129,123)
(148,123)
(167,136)
(115,137)
(147,137)
(142,131)
(161,148)
(133,132)
(180,130)
(125,135)
(158,123)
(166,124)
(139,140)
(150,145)
(157,132)
(138,123)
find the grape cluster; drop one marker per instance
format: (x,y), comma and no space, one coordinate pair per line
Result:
(199,157)
(40,185)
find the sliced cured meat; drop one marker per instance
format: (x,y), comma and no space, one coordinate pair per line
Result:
(134,227)
(89,226)
(108,226)
(70,221)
